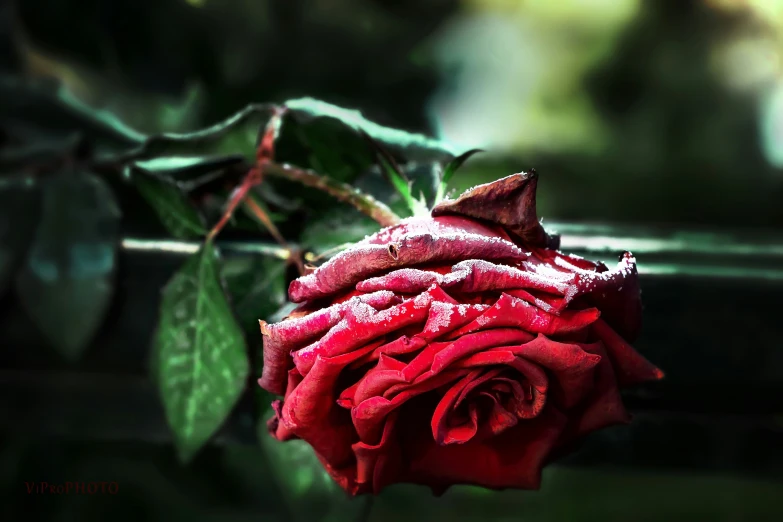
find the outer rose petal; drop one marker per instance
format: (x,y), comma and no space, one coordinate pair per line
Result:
(361,324)
(478,275)
(605,407)
(510,311)
(631,367)
(311,413)
(282,337)
(364,260)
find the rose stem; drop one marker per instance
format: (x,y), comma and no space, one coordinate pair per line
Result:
(264,155)
(365,203)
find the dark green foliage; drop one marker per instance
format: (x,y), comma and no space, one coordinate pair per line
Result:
(20,207)
(67,282)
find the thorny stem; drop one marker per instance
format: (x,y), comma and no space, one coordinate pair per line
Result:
(264,155)
(241,195)
(365,203)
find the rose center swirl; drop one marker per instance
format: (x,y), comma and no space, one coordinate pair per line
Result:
(488,401)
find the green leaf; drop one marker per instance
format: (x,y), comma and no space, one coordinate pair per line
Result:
(200,358)
(67,282)
(340,226)
(324,145)
(257,288)
(36,110)
(20,208)
(412,146)
(189,171)
(452,166)
(171,205)
(236,135)
(449,170)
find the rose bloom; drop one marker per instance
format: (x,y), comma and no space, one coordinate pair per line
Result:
(460,348)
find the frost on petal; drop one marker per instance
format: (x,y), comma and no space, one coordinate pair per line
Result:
(362,261)
(546,302)
(478,275)
(509,202)
(444,225)
(446,317)
(617,294)
(403,281)
(283,337)
(362,324)
(509,311)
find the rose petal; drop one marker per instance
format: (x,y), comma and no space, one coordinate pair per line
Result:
(476,342)
(605,405)
(479,275)
(631,367)
(369,414)
(446,317)
(510,311)
(400,346)
(360,325)
(404,281)
(364,260)
(510,202)
(441,225)
(617,294)
(280,338)
(498,421)
(572,367)
(513,459)
(310,411)
(378,465)
(548,303)
(442,430)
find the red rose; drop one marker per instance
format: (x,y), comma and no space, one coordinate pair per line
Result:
(454,349)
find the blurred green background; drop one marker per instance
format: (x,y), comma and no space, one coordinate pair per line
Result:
(632,111)
(667,110)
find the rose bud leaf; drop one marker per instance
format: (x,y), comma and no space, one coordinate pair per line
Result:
(67,282)
(20,208)
(200,360)
(396,177)
(450,169)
